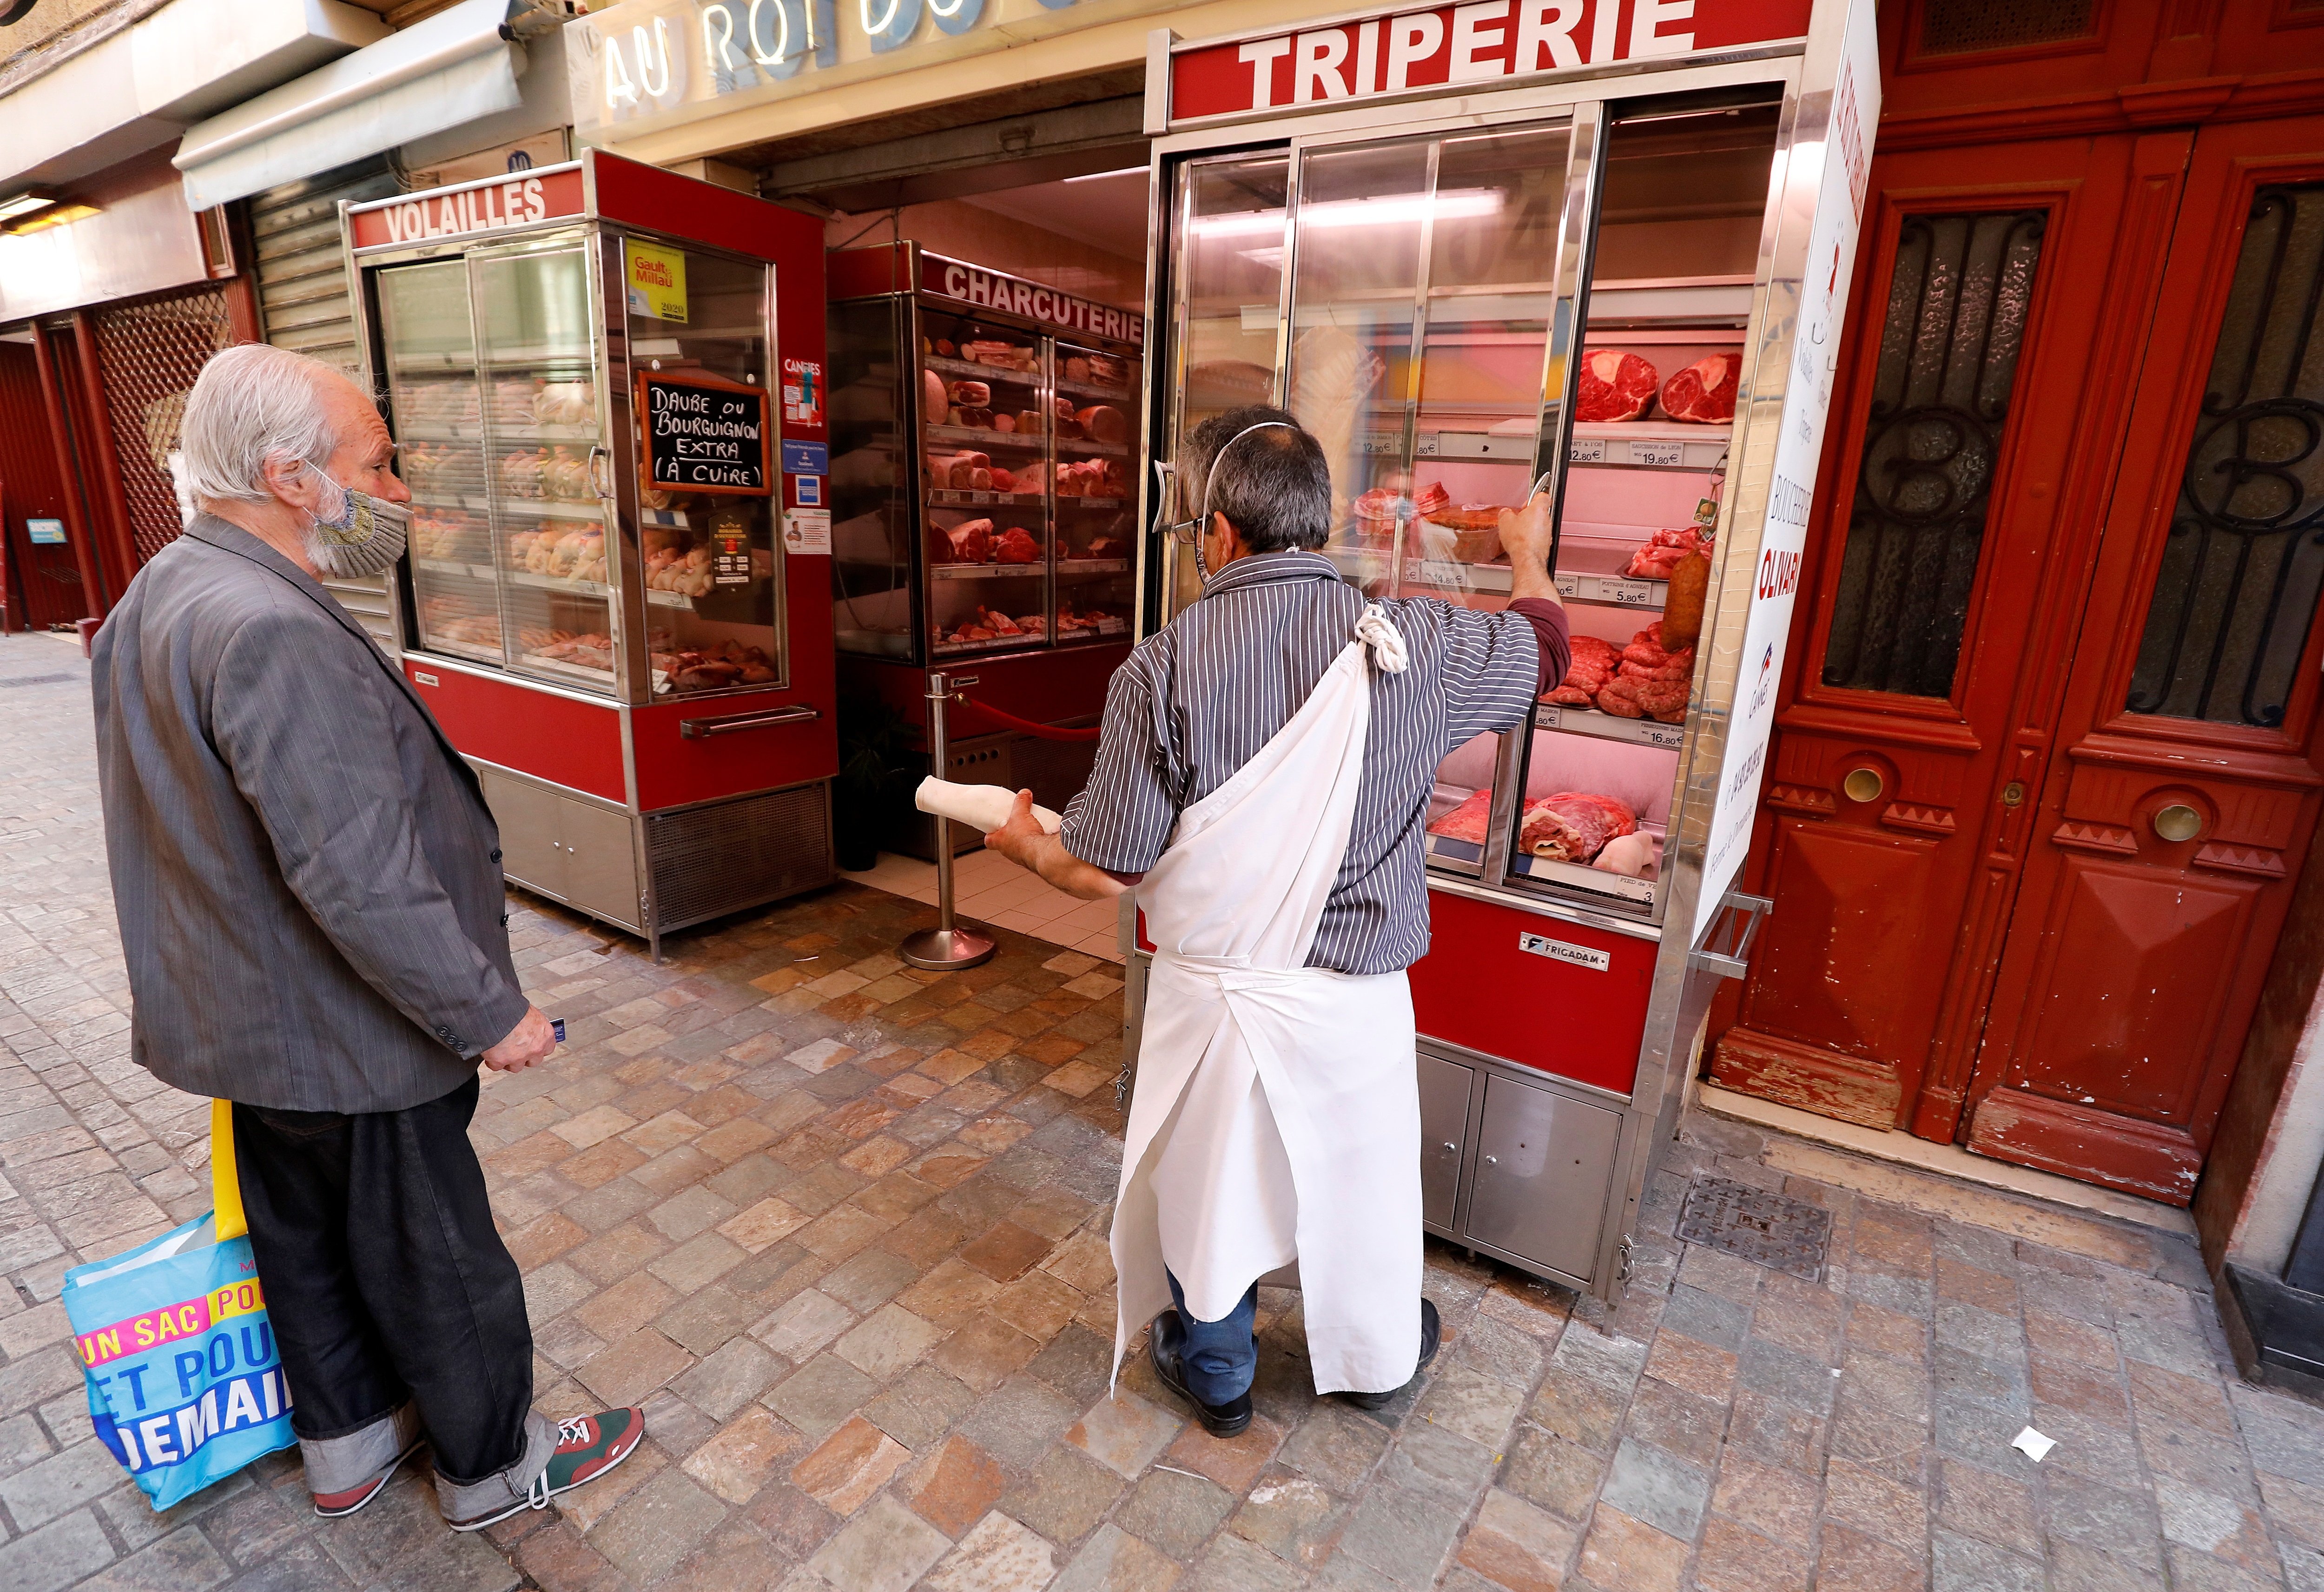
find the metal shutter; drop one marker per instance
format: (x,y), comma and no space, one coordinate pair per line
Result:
(302,294)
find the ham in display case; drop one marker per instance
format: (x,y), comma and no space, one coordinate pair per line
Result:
(1476,256)
(613,595)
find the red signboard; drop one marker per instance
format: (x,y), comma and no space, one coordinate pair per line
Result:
(520,199)
(991,290)
(1477,44)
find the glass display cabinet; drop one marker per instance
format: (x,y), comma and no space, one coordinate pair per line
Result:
(981,496)
(1479,261)
(984,472)
(610,524)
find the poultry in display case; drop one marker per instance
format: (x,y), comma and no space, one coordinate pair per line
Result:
(983,469)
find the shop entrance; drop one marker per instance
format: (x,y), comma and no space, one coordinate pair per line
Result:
(2050,766)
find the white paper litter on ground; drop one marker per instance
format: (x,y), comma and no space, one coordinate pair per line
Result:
(2033,1444)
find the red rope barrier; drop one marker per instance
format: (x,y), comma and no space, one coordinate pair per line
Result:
(1041,732)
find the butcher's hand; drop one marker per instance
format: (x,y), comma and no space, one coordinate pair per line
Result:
(1525,536)
(531,1040)
(1025,843)
(1019,839)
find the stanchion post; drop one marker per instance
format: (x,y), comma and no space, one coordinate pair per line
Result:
(949,946)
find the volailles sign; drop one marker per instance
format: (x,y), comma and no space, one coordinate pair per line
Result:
(1484,42)
(489,206)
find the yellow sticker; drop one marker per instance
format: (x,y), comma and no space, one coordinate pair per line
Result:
(657,281)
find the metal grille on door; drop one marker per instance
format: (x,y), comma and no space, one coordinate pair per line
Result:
(1957,309)
(1965,27)
(2237,587)
(150,350)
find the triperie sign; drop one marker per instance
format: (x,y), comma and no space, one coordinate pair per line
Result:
(1482,43)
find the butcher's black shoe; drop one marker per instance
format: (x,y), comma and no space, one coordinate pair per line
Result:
(1165,1340)
(1432,1332)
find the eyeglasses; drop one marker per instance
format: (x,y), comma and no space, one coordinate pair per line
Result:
(1182,531)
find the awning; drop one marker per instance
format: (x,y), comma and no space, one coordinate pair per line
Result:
(453,67)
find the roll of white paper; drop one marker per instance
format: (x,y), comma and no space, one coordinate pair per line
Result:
(982,807)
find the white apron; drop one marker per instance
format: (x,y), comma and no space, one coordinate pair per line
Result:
(1277,1110)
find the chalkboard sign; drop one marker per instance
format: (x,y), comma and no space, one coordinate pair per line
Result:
(702,433)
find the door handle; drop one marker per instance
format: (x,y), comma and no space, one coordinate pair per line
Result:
(1492,1160)
(1451,1145)
(601,472)
(2013,794)
(730,723)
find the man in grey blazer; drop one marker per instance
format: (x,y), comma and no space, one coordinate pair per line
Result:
(309,891)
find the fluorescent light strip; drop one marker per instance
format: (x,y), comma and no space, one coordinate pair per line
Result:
(1405,209)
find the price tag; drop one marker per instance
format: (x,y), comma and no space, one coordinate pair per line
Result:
(1587,450)
(1569,586)
(1424,448)
(1662,455)
(1658,734)
(1383,442)
(980,497)
(1546,717)
(1629,593)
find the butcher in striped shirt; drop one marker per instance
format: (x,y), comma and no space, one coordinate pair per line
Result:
(1197,700)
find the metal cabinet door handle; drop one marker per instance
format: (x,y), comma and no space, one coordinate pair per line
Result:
(1451,1145)
(727,724)
(1492,1160)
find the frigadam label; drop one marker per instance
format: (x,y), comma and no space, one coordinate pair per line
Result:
(1479,43)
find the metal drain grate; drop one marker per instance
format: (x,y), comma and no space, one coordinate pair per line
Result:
(1767,1229)
(34,679)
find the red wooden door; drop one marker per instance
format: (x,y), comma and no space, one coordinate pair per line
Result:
(2179,807)
(1983,397)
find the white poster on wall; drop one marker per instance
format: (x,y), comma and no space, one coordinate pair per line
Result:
(1838,165)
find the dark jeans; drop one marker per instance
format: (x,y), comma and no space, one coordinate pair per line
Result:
(385,1280)
(1220,1357)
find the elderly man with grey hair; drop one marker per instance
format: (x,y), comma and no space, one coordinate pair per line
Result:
(310,899)
(1263,782)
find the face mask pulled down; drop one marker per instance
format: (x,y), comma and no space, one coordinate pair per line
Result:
(354,534)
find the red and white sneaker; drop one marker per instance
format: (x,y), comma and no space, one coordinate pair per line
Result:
(587,1445)
(331,1505)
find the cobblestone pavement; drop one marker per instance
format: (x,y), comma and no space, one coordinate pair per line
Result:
(840,1227)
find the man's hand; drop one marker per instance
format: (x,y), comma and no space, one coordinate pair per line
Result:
(1015,839)
(1526,534)
(531,1040)
(1025,843)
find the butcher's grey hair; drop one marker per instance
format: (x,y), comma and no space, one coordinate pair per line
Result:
(253,403)
(1274,486)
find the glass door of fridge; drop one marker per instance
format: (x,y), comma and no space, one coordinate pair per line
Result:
(429,351)
(1671,263)
(1091,481)
(543,420)
(1229,236)
(713,563)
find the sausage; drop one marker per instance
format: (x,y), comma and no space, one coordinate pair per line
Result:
(1690,586)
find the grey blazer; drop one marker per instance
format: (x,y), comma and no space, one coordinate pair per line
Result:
(307,876)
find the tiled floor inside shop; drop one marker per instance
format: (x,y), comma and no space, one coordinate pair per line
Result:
(989,888)
(840,1227)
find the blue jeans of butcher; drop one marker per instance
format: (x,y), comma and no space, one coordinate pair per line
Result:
(1221,1356)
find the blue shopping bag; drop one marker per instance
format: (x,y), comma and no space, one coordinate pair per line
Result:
(185,1385)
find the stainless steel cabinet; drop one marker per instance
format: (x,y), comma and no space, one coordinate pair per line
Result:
(1445,1088)
(1515,1164)
(1543,1162)
(565,847)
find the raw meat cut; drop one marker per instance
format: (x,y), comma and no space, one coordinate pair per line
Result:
(1704,392)
(1016,546)
(1660,552)
(1466,821)
(1592,665)
(933,396)
(969,542)
(1571,826)
(1102,423)
(1476,530)
(1615,386)
(971,394)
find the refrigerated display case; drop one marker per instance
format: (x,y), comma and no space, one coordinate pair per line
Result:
(612,596)
(1615,280)
(983,483)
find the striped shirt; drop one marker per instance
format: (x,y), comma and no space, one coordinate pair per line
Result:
(1196,701)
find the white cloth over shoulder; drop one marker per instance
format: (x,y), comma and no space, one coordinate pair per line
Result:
(1277,1113)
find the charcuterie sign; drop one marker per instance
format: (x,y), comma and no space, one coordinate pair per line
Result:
(702,433)
(1477,44)
(991,290)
